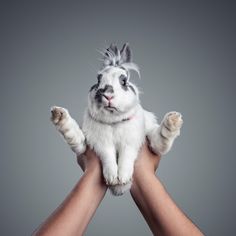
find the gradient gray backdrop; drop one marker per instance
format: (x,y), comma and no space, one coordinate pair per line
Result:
(186,52)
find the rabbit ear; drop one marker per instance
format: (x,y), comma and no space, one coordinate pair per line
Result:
(111,55)
(112,51)
(125,53)
(115,57)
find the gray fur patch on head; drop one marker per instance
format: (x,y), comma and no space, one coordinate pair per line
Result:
(119,58)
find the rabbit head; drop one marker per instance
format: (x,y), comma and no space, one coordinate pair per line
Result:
(114,95)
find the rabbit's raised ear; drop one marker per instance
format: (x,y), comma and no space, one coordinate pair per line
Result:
(112,51)
(125,53)
(111,56)
(115,57)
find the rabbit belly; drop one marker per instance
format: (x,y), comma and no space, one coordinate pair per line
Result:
(117,146)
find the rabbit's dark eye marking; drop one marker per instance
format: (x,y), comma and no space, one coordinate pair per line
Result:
(95,86)
(132,88)
(123,81)
(99,77)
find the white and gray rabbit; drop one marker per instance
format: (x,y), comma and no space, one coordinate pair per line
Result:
(115,125)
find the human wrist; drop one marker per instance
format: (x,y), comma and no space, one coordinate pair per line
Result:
(142,176)
(95,176)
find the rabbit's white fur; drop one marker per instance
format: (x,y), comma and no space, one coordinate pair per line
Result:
(115,125)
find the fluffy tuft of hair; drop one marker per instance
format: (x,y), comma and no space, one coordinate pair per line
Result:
(131,66)
(112,56)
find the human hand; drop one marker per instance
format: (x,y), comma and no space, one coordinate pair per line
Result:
(90,162)
(146,163)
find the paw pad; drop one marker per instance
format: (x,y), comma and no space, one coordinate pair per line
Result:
(58,114)
(174,120)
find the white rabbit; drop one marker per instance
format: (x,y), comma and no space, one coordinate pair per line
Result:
(115,125)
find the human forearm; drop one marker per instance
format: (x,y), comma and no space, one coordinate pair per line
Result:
(74,214)
(161,213)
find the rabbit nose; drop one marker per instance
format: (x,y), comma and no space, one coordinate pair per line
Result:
(108,97)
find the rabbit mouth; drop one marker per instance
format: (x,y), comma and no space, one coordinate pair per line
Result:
(111,108)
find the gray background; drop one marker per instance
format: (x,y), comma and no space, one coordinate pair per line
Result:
(186,52)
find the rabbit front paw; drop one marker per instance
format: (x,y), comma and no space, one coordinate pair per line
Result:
(59,115)
(173,121)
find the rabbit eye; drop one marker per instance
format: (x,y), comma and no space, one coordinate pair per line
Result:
(123,80)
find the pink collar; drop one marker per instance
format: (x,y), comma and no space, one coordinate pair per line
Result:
(126,119)
(112,123)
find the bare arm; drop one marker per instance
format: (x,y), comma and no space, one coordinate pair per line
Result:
(159,210)
(76,211)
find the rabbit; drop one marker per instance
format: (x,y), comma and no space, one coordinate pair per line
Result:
(115,125)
